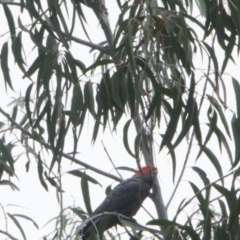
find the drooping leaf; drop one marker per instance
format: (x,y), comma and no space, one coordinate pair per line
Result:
(171,128)
(18,225)
(89,97)
(236,87)
(17,52)
(85,192)
(40,173)
(7,155)
(212,157)
(125,138)
(77,104)
(202,175)
(236,137)
(9,183)
(80,174)
(216,105)
(4,65)
(166,223)
(27,218)
(28,101)
(10,20)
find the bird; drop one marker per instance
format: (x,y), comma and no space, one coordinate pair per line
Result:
(125,199)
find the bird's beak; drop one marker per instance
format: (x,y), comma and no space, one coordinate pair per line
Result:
(154,172)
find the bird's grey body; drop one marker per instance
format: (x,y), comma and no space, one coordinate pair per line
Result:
(126,199)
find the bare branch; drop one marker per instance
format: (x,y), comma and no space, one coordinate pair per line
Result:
(89,44)
(111,160)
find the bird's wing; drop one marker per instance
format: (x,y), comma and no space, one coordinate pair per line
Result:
(123,196)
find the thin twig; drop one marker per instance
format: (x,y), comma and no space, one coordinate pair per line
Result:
(190,143)
(207,186)
(182,171)
(61,201)
(111,160)
(5,216)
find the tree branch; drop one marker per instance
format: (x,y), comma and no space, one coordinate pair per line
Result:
(63,154)
(157,195)
(89,44)
(104,22)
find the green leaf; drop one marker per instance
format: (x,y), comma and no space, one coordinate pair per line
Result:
(10,184)
(224,213)
(10,20)
(214,59)
(80,213)
(216,105)
(236,87)
(85,192)
(14,115)
(228,50)
(138,145)
(42,114)
(202,175)
(78,173)
(172,125)
(18,225)
(53,182)
(7,155)
(77,104)
(72,64)
(34,67)
(17,51)
(187,123)
(142,63)
(223,140)
(167,223)
(27,101)
(131,94)
(116,89)
(129,45)
(214,161)
(40,173)
(125,138)
(96,126)
(89,98)
(155,103)
(103,62)
(236,137)
(173,157)
(199,196)
(5,167)
(4,65)
(136,226)
(27,218)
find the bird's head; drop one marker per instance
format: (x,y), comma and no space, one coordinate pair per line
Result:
(147,171)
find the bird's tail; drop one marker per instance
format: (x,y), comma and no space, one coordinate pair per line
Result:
(83,229)
(96,225)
